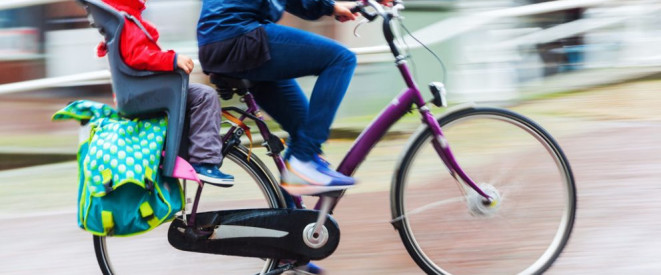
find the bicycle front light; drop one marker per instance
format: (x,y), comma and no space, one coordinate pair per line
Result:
(438,91)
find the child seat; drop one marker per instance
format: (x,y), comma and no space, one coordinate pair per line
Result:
(141,93)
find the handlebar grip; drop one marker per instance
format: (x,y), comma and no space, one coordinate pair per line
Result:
(356,9)
(361,9)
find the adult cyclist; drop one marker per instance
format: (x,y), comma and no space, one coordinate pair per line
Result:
(240,39)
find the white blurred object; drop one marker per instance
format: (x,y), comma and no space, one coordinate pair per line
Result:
(14,4)
(70,52)
(641,36)
(176,22)
(84,132)
(18,42)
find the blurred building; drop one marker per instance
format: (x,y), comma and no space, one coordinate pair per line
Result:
(492,49)
(40,38)
(21,50)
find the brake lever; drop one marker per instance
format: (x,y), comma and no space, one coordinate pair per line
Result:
(398,6)
(362,22)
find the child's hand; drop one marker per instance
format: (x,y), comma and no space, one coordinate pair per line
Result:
(101,49)
(185,63)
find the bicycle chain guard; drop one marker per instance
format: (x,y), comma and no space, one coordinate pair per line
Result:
(262,233)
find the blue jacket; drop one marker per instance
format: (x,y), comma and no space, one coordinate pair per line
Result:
(225,19)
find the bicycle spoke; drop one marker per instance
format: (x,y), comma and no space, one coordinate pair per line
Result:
(252,189)
(428,207)
(512,161)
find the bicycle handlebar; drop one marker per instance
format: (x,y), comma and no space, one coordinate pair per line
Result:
(379,11)
(361,9)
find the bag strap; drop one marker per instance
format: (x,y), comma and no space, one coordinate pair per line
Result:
(147,213)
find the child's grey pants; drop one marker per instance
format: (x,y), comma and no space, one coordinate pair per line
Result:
(203,119)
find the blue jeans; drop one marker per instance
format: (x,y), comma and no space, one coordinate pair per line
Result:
(296,53)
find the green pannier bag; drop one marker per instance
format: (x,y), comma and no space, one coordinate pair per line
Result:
(121,192)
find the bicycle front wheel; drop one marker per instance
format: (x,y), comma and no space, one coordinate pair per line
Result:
(446,227)
(150,253)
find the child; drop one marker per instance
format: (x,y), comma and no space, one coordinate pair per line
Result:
(140,51)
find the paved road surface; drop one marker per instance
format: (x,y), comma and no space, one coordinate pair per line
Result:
(611,136)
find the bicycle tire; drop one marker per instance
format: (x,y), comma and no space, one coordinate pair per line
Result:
(237,158)
(495,147)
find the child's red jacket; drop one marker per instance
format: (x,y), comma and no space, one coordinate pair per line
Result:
(137,50)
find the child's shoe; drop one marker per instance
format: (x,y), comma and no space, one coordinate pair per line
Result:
(210,173)
(312,177)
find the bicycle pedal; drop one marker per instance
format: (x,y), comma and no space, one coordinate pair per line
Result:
(280,269)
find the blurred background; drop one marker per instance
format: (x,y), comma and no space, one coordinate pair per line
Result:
(587,70)
(496,50)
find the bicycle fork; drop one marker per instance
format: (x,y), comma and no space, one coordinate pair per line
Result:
(442,147)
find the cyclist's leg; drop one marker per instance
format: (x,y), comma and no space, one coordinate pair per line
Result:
(286,103)
(295,53)
(326,96)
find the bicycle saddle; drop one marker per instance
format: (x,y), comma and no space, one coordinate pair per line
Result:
(228,86)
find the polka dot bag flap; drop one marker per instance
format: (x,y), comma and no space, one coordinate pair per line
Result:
(121,191)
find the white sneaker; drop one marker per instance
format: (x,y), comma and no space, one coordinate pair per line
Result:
(312,177)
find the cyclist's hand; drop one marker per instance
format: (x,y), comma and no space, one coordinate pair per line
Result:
(342,11)
(185,63)
(387,3)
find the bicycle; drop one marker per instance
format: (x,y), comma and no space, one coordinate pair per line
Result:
(476,226)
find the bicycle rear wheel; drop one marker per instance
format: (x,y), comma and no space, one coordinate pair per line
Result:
(150,253)
(444,225)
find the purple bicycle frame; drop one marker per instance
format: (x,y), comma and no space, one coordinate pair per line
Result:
(364,143)
(399,106)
